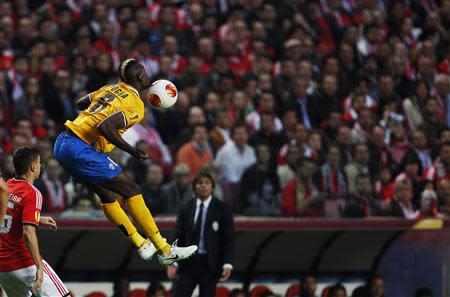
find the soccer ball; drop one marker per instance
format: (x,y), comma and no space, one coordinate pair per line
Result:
(162,94)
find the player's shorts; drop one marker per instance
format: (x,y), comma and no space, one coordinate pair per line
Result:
(18,283)
(82,161)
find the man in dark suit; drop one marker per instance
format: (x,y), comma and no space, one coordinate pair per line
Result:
(208,222)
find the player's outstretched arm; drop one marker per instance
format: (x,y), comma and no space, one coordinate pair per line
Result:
(84,102)
(31,241)
(109,127)
(3,200)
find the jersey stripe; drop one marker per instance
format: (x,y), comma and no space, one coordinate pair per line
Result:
(38,197)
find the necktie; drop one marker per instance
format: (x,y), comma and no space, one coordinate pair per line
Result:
(198,226)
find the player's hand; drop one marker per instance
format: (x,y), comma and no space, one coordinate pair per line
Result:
(225,274)
(171,271)
(49,221)
(140,154)
(38,282)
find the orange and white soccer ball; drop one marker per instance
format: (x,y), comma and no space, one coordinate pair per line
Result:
(162,94)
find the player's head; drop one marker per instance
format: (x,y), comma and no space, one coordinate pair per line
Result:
(133,73)
(27,162)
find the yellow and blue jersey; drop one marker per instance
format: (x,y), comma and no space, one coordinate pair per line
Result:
(106,101)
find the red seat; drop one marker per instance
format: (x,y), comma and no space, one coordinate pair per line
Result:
(96,294)
(258,290)
(222,292)
(326,291)
(138,293)
(293,290)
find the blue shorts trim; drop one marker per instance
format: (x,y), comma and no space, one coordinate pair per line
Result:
(82,161)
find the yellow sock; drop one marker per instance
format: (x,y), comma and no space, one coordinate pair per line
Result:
(145,221)
(115,214)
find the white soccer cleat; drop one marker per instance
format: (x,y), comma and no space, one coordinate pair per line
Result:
(177,254)
(147,250)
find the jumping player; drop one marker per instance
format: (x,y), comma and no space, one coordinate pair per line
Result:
(106,114)
(22,269)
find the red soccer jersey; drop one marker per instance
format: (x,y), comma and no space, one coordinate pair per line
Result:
(24,207)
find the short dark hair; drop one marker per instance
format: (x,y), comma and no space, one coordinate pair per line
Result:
(203,174)
(128,70)
(238,125)
(23,157)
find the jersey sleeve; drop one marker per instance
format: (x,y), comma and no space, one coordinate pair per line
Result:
(32,207)
(131,116)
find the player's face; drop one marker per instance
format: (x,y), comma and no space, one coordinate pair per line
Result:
(37,167)
(203,188)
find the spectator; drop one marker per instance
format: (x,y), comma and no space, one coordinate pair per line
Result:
(51,186)
(151,189)
(431,124)
(300,196)
(136,165)
(308,286)
(195,154)
(260,188)
(420,146)
(267,134)
(401,204)
(413,105)
(441,166)
(360,165)
(196,116)
(156,290)
(374,288)
(362,203)
(338,290)
(220,134)
(233,158)
(429,206)
(237,293)
(325,101)
(287,171)
(82,207)
(177,191)
(443,194)
(330,178)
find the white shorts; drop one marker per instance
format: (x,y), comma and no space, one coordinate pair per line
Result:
(18,283)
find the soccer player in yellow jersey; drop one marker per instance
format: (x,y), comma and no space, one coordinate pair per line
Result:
(106,114)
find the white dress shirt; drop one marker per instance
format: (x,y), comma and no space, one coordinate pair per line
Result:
(232,162)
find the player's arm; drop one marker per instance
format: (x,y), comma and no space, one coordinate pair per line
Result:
(109,128)
(84,102)
(31,241)
(4,192)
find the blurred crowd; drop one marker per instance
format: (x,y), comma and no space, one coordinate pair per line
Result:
(297,107)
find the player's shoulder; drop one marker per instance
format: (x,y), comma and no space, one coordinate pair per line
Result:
(25,189)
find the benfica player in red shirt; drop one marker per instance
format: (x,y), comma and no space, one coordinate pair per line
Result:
(22,269)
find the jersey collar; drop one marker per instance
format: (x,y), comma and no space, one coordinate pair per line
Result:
(131,88)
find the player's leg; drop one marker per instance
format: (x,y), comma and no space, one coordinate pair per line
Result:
(127,188)
(52,286)
(115,214)
(13,285)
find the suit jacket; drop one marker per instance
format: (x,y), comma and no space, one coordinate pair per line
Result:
(218,234)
